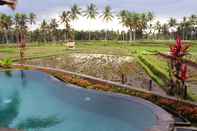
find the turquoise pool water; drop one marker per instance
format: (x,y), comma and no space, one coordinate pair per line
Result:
(35,101)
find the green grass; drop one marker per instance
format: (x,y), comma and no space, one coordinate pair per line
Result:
(156,68)
(98,47)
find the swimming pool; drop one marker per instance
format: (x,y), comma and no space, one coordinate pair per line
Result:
(36,101)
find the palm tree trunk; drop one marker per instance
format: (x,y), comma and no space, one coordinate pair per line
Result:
(89,35)
(123,36)
(65,36)
(183,34)
(6,36)
(134,35)
(73,31)
(105,35)
(130,35)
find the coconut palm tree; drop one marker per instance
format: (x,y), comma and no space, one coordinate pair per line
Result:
(158,28)
(74,14)
(32,18)
(65,19)
(193,19)
(164,30)
(44,29)
(107,16)
(193,23)
(133,22)
(122,17)
(32,21)
(53,26)
(149,18)
(172,23)
(6,23)
(21,21)
(91,13)
(183,26)
(143,19)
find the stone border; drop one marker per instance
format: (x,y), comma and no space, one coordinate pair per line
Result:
(165,121)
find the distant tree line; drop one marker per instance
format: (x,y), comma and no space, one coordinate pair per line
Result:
(139,25)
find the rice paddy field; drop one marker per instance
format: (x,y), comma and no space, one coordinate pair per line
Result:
(132,63)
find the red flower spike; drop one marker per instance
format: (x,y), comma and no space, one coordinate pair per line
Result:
(184,72)
(178,50)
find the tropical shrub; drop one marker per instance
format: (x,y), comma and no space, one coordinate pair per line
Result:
(83,83)
(102,87)
(178,69)
(6,63)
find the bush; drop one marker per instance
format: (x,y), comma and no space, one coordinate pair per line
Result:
(102,87)
(79,82)
(67,78)
(6,63)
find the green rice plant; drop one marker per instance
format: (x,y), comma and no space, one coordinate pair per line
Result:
(154,72)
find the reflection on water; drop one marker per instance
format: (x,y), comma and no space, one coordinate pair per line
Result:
(23,78)
(9,110)
(8,73)
(38,123)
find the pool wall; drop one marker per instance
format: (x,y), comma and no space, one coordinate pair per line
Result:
(186,108)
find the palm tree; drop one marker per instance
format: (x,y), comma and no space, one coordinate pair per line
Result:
(74,14)
(44,29)
(32,21)
(172,22)
(193,19)
(133,22)
(107,17)
(164,29)
(158,28)
(149,18)
(65,19)
(32,18)
(91,13)
(21,21)
(183,25)
(5,23)
(193,23)
(143,19)
(122,17)
(54,26)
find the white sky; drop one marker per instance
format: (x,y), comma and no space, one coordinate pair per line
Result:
(47,9)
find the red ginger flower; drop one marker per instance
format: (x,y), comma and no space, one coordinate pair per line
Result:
(179,50)
(184,72)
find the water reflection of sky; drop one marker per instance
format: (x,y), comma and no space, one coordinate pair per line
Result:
(45,104)
(10,106)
